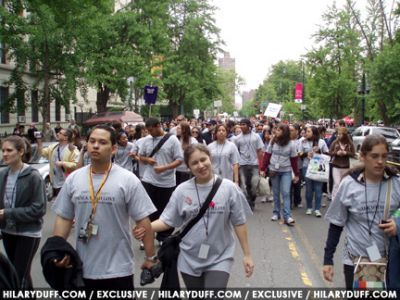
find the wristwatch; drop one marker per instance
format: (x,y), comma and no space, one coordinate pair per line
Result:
(153,258)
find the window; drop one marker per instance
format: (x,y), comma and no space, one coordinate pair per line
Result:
(21,103)
(5,115)
(3,56)
(35,106)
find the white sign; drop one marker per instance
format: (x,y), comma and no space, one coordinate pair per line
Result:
(273,110)
(196,113)
(218,103)
(235,114)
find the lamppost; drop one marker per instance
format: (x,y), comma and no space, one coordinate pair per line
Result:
(303,108)
(290,118)
(363,90)
(130,81)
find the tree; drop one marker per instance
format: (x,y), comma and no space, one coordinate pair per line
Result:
(189,72)
(332,82)
(42,35)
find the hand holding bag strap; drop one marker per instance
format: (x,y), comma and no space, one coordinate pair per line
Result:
(203,208)
(160,144)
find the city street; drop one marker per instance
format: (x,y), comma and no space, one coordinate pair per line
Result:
(283,256)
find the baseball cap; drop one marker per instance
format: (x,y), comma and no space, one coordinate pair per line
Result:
(212,122)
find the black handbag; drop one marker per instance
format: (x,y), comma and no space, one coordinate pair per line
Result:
(169,250)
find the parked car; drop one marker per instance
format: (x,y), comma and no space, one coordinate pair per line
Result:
(360,133)
(42,165)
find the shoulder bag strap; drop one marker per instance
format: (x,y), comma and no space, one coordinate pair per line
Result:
(388,198)
(203,208)
(160,144)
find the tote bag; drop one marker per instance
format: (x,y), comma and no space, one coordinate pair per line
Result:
(318,168)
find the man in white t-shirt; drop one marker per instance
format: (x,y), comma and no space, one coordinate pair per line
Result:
(159,178)
(102,197)
(250,148)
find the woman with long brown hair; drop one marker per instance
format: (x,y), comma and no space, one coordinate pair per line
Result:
(22,206)
(281,160)
(184,134)
(359,207)
(341,150)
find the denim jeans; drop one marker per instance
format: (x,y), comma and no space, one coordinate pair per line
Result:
(312,187)
(249,177)
(281,184)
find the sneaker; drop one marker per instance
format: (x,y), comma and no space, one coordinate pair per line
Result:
(323,204)
(317,214)
(290,221)
(141,247)
(274,218)
(309,211)
(300,205)
(270,198)
(264,200)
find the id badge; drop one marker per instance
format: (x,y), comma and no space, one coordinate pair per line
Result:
(277,166)
(373,252)
(203,253)
(92,229)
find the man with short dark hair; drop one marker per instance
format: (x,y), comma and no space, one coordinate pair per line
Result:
(250,148)
(63,158)
(159,177)
(102,197)
(208,133)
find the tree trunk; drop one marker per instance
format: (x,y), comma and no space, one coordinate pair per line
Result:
(383,112)
(103,95)
(46,87)
(174,109)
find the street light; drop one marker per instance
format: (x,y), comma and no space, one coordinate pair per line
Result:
(130,81)
(363,90)
(303,108)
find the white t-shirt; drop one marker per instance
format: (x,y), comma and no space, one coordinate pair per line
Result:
(224,156)
(122,158)
(169,152)
(248,144)
(229,208)
(280,158)
(109,253)
(307,146)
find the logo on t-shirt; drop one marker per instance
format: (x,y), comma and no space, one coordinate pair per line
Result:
(188,200)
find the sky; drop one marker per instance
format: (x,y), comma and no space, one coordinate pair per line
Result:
(260,33)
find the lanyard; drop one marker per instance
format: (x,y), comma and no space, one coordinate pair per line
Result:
(96,198)
(208,211)
(220,153)
(366,206)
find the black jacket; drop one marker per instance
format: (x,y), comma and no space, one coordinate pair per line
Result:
(30,202)
(61,278)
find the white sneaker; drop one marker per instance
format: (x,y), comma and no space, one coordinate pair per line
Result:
(264,200)
(323,204)
(290,221)
(300,205)
(309,211)
(270,198)
(317,214)
(274,218)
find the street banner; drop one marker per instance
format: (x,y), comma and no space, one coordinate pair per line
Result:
(150,94)
(273,110)
(298,92)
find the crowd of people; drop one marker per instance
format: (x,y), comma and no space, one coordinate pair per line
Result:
(160,174)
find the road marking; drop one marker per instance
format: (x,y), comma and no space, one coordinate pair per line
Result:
(295,254)
(314,257)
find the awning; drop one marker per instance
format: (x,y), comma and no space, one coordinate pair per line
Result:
(112,116)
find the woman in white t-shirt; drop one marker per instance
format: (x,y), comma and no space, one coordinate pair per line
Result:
(280,161)
(184,135)
(311,145)
(225,155)
(207,251)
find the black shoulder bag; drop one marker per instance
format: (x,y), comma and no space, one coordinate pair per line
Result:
(160,144)
(169,250)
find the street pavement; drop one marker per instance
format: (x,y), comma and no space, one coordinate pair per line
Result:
(284,256)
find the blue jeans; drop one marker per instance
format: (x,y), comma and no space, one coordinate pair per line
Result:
(312,187)
(281,184)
